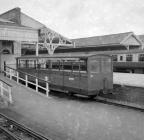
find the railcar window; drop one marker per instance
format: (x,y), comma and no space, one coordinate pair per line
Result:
(55,65)
(67,65)
(129,57)
(30,63)
(121,58)
(95,66)
(22,63)
(106,65)
(83,66)
(48,64)
(76,66)
(43,65)
(61,65)
(114,57)
(141,57)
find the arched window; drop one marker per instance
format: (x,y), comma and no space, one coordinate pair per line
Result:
(6,51)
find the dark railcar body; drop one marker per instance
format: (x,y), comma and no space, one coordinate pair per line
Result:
(84,74)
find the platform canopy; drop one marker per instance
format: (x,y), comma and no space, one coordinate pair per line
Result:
(47,38)
(14,32)
(51,40)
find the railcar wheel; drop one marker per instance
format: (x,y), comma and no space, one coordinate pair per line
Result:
(103,91)
(70,93)
(92,96)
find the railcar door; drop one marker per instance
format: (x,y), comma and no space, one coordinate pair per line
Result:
(56,77)
(71,78)
(107,72)
(94,80)
(84,76)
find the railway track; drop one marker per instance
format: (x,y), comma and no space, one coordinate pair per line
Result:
(120,104)
(101,99)
(11,130)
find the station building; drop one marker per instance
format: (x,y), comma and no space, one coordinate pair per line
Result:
(126,49)
(18,31)
(22,35)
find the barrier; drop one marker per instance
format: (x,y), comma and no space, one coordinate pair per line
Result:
(128,79)
(27,79)
(6,91)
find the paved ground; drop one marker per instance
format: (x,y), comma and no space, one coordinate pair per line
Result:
(125,94)
(64,118)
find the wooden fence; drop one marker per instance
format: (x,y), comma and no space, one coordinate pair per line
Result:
(28,80)
(6,91)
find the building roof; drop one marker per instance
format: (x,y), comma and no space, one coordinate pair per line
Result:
(112,39)
(7,22)
(141,37)
(11,23)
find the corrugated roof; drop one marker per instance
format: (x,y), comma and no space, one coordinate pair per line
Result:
(141,37)
(6,21)
(101,40)
(10,23)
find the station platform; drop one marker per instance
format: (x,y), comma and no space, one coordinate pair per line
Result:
(67,119)
(32,109)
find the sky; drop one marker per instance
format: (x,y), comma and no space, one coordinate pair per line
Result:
(83,18)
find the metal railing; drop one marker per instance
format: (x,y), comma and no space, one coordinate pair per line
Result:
(6,91)
(28,80)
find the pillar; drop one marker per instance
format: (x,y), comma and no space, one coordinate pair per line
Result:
(37,49)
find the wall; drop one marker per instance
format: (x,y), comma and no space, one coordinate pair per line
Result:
(132,41)
(30,22)
(10,58)
(12,15)
(18,33)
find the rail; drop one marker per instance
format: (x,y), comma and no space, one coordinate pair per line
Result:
(18,131)
(28,80)
(7,134)
(6,91)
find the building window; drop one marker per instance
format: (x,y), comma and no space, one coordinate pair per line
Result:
(7,47)
(39,32)
(129,57)
(114,57)
(6,51)
(141,57)
(121,58)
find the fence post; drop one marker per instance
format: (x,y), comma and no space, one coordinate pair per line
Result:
(10,95)
(1,89)
(17,76)
(37,84)
(4,68)
(47,86)
(10,72)
(26,80)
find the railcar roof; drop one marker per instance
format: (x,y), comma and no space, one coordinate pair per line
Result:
(63,56)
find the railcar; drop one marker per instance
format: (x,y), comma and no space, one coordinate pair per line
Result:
(81,74)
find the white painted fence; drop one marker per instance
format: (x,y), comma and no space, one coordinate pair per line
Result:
(6,91)
(129,79)
(13,74)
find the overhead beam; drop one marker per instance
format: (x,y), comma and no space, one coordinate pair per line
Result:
(51,40)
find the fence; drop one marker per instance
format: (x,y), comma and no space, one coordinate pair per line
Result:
(28,80)
(6,91)
(128,79)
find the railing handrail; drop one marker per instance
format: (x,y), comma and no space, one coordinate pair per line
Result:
(6,83)
(12,72)
(28,74)
(7,90)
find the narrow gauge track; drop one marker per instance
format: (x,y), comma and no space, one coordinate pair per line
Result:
(11,130)
(96,99)
(105,101)
(6,135)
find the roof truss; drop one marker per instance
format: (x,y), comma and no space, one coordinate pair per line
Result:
(51,40)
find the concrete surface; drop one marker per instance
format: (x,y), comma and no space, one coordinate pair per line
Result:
(70,119)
